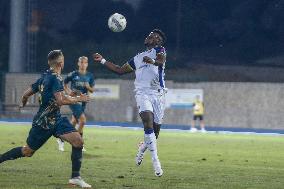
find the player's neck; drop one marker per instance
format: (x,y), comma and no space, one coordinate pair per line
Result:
(148,47)
(56,70)
(82,71)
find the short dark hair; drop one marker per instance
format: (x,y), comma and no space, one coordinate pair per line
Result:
(53,56)
(161,33)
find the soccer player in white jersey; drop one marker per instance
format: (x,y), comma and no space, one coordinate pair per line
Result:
(150,91)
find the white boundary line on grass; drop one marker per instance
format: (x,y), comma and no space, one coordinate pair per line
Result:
(168,130)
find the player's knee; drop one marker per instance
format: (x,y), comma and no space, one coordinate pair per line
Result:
(27,151)
(147,119)
(78,143)
(82,123)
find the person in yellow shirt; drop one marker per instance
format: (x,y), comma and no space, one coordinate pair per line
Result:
(198,113)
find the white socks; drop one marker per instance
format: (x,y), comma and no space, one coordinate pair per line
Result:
(142,147)
(151,143)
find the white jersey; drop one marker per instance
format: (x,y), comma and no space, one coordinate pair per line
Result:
(148,77)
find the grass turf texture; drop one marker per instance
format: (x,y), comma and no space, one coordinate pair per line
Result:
(203,161)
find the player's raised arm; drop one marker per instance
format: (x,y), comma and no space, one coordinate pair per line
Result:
(160,57)
(159,61)
(125,68)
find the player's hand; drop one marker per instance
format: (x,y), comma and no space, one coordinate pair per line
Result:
(148,60)
(97,57)
(87,85)
(24,103)
(84,98)
(75,93)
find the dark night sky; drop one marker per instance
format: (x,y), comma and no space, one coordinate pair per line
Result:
(242,30)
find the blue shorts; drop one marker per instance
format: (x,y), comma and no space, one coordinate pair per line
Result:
(77,110)
(38,135)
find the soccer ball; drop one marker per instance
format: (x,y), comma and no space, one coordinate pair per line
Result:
(117,22)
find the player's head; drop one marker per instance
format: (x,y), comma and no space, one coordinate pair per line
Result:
(55,59)
(83,63)
(156,38)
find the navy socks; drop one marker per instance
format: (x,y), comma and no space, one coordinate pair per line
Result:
(76,158)
(12,154)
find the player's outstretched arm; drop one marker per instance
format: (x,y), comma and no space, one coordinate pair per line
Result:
(62,99)
(125,68)
(29,92)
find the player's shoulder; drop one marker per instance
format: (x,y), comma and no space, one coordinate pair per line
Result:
(160,49)
(89,74)
(55,76)
(70,74)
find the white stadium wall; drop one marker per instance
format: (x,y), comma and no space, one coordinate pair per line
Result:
(241,105)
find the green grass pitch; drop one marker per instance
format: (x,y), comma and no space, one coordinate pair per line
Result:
(197,161)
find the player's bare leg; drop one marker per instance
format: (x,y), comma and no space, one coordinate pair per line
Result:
(157,128)
(82,122)
(193,129)
(76,141)
(150,141)
(202,126)
(74,121)
(60,141)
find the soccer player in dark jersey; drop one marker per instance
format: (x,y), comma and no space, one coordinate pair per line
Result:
(82,82)
(48,120)
(150,90)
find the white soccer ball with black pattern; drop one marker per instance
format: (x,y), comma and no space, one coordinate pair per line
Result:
(117,22)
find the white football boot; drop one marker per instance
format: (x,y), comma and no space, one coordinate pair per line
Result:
(203,130)
(84,149)
(60,145)
(157,168)
(78,181)
(193,130)
(140,154)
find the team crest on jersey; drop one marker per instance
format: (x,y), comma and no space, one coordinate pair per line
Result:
(77,77)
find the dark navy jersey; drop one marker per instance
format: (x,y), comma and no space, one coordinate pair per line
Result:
(48,84)
(79,81)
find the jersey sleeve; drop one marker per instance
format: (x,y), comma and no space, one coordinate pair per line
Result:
(68,78)
(92,80)
(160,50)
(132,63)
(35,86)
(56,85)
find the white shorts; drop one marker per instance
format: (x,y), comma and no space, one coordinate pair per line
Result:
(152,102)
